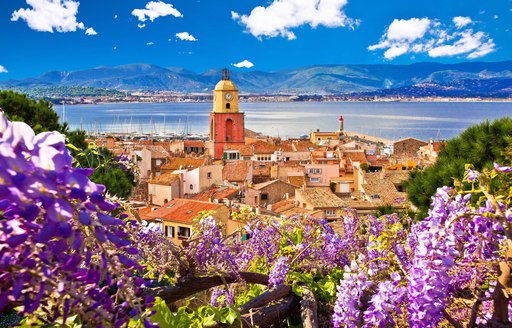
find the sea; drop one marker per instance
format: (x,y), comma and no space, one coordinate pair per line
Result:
(389,120)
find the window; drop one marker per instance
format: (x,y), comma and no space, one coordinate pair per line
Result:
(330,212)
(314,179)
(315,171)
(209,175)
(191,186)
(183,232)
(158,162)
(153,190)
(231,155)
(264,196)
(169,231)
(228,105)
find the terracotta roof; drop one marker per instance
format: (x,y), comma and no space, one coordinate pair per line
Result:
(259,186)
(245,150)
(236,171)
(181,163)
(282,205)
(182,210)
(157,151)
(304,146)
(358,156)
(321,197)
(296,180)
(384,187)
(262,147)
(261,169)
(193,143)
(411,139)
(218,193)
(144,211)
(165,179)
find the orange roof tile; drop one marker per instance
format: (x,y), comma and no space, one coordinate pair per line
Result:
(217,193)
(183,210)
(236,171)
(245,150)
(181,163)
(165,179)
(262,147)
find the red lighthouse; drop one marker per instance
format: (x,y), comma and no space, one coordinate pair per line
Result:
(226,122)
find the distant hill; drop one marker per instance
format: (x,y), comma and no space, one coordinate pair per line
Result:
(464,79)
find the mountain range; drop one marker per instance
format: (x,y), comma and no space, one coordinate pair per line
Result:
(482,79)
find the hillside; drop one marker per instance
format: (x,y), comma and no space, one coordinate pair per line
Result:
(464,79)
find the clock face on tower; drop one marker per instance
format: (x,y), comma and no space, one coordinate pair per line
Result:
(229,96)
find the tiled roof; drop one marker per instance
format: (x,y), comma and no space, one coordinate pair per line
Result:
(182,210)
(282,205)
(236,171)
(165,179)
(321,197)
(245,150)
(296,180)
(144,211)
(218,193)
(261,169)
(193,143)
(262,147)
(262,185)
(181,163)
(385,187)
(157,152)
(410,139)
(358,156)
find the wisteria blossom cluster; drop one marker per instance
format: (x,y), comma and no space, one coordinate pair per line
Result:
(61,249)
(455,250)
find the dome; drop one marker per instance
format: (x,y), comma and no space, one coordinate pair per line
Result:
(225,85)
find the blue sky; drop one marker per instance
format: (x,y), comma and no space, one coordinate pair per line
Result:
(42,35)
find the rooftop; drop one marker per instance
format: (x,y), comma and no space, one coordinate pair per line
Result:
(321,197)
(165,179)
(181,210)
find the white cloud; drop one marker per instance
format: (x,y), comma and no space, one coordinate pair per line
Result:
(91,31)
(141,25)
(434,39)
(408,29)
(185,36)
(115,47)
(47,15)
(150,43)
(3,69)
(461,22)
(115,16)
(155,9)
(283,15)
(245,63)
(495,16)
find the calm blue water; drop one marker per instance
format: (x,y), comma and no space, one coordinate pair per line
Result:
(391,120)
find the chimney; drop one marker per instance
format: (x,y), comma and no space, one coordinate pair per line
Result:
(317,130)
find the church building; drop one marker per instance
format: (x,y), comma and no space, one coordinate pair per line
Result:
(226,122)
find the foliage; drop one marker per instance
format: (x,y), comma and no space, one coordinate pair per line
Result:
(37,114)
(480,145)
(117,173)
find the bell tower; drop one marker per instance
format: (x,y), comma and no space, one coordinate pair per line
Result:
(226,122)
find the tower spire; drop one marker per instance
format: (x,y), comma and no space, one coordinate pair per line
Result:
(225,74)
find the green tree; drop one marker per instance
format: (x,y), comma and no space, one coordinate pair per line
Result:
(480,145)
(40,114)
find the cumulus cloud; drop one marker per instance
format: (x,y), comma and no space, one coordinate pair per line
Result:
(150,43)
(141,25)
(245,63)
(429,36)
(47,15)
(155,9)
(461,22)
(185,36)
(3,69)
(281,16)
(91,31)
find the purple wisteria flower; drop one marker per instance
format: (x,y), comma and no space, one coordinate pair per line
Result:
(279,271)
(504,169)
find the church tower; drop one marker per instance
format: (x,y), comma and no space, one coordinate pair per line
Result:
(226,122)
